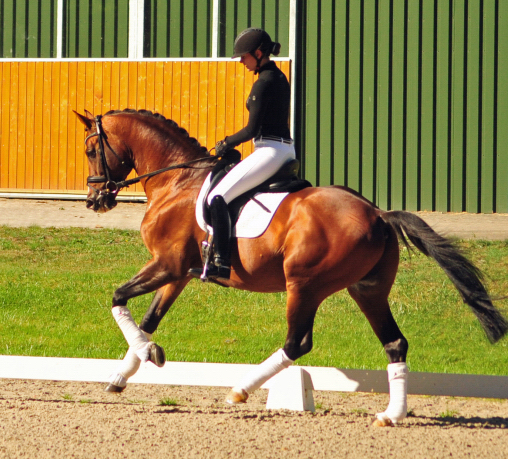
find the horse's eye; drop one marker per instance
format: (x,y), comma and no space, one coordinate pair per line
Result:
(91,153)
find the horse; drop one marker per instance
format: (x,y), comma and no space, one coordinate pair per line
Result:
(321,240)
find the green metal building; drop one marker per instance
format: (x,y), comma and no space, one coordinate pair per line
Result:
(404,101)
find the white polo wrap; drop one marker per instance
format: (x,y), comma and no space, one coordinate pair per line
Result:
(263,372)
(397,379)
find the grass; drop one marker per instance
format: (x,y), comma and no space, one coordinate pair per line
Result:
(168,402)
(56,287)
(448,414)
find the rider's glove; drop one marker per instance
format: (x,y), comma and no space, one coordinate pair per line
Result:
(221,147)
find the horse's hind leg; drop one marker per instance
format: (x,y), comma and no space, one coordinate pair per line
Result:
(371,294)
(301,310)
(130,364)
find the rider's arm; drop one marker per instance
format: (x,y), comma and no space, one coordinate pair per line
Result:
(257,105)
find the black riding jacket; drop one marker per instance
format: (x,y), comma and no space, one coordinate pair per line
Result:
(268,106)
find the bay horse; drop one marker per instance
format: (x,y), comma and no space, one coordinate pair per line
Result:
(321,240)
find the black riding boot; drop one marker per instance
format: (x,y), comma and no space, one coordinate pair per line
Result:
(221,224)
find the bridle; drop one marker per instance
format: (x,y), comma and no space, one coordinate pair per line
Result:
(113,187)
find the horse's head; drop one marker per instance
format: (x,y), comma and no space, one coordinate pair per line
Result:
(107,162)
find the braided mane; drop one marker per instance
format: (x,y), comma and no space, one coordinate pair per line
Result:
(170,123)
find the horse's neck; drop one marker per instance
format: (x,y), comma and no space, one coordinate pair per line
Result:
(153,157)
(174,184)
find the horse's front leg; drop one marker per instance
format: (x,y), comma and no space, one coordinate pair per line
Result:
(141,348)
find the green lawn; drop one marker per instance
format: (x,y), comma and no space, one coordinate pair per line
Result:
(56,287)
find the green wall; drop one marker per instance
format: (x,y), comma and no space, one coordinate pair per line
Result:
(405,101)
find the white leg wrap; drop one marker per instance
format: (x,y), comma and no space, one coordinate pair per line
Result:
(128,367)
(135,338)
(397,379)
(263,372)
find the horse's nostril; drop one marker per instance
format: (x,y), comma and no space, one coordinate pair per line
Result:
(89,203)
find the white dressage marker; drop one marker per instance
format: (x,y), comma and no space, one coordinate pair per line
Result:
(302,379)
(291,389)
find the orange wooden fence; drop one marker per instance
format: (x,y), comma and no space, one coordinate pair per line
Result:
(41,141)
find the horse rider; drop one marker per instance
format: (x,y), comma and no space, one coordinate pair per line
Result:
(268,105)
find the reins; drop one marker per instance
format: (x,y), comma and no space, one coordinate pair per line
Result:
(115,187)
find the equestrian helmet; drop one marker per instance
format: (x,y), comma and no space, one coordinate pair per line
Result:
(250,40)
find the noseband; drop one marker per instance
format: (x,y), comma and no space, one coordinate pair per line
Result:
(113,187)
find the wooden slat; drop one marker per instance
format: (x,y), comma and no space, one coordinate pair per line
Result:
(21,162)
(354,90)
(326,91)
(39,132)
(73,127)
(221,101)
(63,156)
(176,86)
(457,178)
(472,187)
(141,86)
(167,109)
(193,97)
(383,106)
(13,126)
(81,104)
(411,196)
(150,86)
(397,114)
(442,126)
(500,156)
(54,108)
(368,101)
(107,84)
(46,126)
(427,144)
(213,121)
(30,125)
(4,125)
(488,69)
(203,114)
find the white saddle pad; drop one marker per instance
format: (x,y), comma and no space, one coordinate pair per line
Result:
(254,217)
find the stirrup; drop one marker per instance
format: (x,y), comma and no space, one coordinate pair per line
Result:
(219,272)
(211,270)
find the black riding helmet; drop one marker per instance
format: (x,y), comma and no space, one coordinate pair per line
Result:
(252,39)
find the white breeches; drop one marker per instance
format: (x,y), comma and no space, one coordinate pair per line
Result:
(268,156)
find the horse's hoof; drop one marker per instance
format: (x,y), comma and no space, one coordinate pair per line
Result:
(113,388)
(157,355)
(236,397)
(384,422)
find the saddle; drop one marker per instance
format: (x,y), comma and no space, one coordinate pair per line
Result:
(284,180)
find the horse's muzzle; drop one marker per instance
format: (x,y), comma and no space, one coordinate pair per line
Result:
(101,202)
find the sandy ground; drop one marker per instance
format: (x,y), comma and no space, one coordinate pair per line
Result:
(55,419)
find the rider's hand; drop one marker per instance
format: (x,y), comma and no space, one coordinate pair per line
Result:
(221,147)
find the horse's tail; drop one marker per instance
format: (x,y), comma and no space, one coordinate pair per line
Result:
(466,277)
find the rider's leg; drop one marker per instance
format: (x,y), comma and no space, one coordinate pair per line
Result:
(266,159)
(221,224)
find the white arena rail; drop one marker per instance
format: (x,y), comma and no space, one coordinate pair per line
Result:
(291,389)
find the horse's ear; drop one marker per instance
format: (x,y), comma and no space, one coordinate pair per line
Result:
(85,119)
(89,115)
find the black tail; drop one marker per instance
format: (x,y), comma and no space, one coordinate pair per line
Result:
(466,277)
